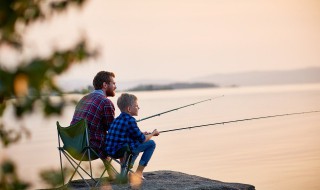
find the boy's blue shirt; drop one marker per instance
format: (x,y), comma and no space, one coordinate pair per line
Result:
(123,130)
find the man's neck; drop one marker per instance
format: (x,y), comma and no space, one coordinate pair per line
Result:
(100,91)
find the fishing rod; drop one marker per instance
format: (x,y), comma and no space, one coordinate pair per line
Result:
(238,120)
(175,109)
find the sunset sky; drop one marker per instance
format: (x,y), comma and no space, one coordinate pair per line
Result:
(184,39)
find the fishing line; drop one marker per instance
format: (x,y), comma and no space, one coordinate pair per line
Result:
(238,120)
(175,109)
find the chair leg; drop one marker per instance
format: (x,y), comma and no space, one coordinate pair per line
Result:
(72,162)
(106,165)
(125,168)
(61,167)
(75,170)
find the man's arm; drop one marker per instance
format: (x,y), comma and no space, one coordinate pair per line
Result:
(109,113)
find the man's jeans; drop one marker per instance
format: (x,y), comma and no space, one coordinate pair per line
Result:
(147,148)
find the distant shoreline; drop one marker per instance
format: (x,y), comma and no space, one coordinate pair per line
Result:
(86,91)
(247,78)
(172,86)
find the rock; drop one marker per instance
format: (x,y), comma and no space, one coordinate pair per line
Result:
(167,180)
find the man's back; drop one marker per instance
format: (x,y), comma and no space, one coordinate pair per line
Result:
(99,112)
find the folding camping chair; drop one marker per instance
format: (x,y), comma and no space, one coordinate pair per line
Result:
(76,146)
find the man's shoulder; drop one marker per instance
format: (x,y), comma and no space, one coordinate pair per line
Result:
(98,97)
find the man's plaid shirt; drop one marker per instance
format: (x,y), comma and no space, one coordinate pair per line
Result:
(99,112)
(123,130)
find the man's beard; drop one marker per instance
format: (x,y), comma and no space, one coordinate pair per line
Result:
(110,93)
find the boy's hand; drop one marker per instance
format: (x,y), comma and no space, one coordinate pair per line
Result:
(155,133)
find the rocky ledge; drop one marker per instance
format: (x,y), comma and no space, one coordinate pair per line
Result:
(169,180)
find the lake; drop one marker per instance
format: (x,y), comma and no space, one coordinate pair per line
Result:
(275,153)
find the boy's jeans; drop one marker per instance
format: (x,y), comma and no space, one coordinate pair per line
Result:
(147,148)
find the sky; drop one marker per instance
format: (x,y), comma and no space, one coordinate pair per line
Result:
(150,40)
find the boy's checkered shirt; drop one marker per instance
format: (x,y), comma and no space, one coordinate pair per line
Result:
(123,130)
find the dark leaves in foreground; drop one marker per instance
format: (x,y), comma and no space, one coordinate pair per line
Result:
(53,177)
(31,84)
(9,179)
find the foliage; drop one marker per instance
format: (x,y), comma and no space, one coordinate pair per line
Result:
(53,177)
(9,179)
(31,83)
(33,79)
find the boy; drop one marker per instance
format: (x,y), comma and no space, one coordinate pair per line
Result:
(124,131)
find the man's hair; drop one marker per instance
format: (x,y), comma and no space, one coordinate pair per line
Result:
(101,77)
(126,100)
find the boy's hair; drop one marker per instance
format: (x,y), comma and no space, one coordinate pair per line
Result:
(100,78)
(126,100)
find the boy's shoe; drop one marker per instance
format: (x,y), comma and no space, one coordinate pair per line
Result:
(135,180)
(137,175)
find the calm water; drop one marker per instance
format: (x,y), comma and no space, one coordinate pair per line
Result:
(277,153)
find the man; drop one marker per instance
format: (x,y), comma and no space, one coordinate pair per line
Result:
(98,110)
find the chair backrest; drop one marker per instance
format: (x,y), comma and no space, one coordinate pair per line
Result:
(75,140)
